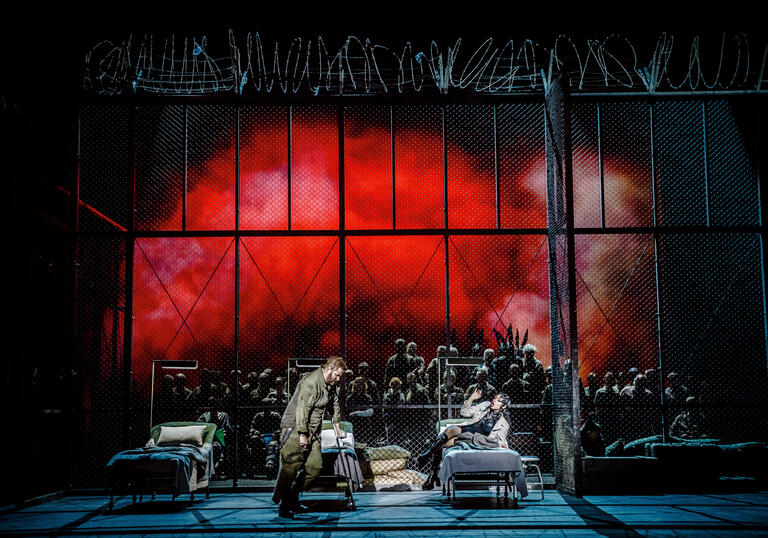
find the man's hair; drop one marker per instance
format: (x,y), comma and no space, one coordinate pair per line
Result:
(487,352)
(333,363)
(395,382)
(529,348)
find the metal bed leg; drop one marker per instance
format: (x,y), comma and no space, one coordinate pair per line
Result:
(346,466)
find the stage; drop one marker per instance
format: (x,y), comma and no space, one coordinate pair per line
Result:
(411,513)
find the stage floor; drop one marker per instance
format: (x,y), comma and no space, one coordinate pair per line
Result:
(411,513)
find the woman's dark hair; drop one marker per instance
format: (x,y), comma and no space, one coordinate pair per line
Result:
(507,401)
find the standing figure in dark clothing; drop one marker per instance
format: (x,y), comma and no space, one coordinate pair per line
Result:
(164,411)
(399,364)
(487,391)
(300,436)
(638,416)
(487,366)
(449,388)
(412,350)
(182,398)
(416,394)
(370,385)
(517,388)
(501,365)
(607,412)
(676,393)
(533,367)
(435,370)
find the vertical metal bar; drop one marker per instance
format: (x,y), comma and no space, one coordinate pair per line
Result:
(392,153)
(496,167)
(656,273)
(186,170)
(760,151)
(129,251)
(445,240)
(572,321)
(290,163)
(342,242)
(75,198)
(706,160)
(75,201)
(238,429)
(600,160)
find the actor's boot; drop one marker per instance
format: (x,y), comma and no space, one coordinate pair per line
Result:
(436,445)
(285,510)
(432,480)
(293,497)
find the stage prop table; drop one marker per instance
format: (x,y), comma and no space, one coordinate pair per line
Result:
(497,465)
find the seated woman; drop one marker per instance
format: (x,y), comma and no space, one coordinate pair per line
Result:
(487,427)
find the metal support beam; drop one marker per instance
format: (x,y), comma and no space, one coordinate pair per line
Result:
(129,251)
(342,242)
(237,296)
(572,319)
(655,208)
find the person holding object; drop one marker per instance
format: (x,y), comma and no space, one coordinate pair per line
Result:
(487,427)
(302,422)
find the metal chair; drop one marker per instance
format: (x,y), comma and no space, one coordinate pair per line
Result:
(526,444)
(531,463)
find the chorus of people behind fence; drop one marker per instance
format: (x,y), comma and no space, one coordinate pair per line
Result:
(622,405)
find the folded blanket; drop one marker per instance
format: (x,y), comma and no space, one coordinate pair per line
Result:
(173,461)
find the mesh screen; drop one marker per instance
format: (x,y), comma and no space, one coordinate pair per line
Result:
(94,389)
(315,168)
(564,397)
(471,176)
(711,305)
(211,173)
(522,167)
(616,297)
(733,186)
(679,162)
(495,283)
(160,153)
(587,196)
(104,167)
(264,168)
(710,286)
(368,167)
(418,167)
(626,149)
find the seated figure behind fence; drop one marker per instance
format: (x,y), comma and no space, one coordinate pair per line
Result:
(487,427)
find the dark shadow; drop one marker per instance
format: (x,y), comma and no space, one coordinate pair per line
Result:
(481,503)
(149,506)
(599,520)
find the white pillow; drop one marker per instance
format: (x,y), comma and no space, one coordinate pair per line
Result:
(328,439)
(173,435)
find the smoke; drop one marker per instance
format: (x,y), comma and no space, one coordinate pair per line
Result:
(184,300)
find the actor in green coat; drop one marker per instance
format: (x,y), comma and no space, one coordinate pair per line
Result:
(300,426)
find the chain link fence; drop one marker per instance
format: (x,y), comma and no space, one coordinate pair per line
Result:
(347,261)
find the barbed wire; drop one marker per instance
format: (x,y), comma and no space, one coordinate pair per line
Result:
(250,66)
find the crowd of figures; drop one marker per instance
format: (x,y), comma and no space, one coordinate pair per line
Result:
(401,407)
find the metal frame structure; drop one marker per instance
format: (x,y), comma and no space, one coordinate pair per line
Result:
(130,234)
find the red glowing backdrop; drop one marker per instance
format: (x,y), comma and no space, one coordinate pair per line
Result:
(184,288)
